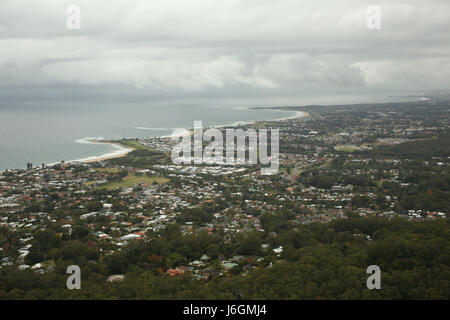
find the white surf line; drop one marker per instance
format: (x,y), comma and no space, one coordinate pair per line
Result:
(121,150)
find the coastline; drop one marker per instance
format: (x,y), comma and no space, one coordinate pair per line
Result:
(119,154)
(123,151)
(297,114)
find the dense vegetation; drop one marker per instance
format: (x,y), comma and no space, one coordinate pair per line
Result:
(357,186)
(320,261)
(141,157)
(426,148)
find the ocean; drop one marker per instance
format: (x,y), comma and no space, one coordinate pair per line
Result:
(50,134)
(53,134)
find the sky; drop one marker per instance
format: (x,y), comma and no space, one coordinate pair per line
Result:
(246,51)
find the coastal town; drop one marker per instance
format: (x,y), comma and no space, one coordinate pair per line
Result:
(335,163)
(224,159)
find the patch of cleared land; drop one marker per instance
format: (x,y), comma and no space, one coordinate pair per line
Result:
(141,156)
(132,180)
(347,148)
(107,170)
(130,143)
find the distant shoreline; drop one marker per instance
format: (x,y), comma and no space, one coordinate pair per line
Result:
(297,114)
(123,151)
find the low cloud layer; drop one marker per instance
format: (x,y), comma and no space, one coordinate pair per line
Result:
(220,48)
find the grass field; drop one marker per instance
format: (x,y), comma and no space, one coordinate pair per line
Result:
(142,156)
(347,148)
(132,144)
(107,170)
(132,180)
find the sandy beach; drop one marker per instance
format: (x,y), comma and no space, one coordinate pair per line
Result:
(121,151)
(298,114)
(112,156)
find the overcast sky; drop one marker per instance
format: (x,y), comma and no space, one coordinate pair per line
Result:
(246,50)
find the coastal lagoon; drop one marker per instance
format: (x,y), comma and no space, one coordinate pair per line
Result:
(53,134)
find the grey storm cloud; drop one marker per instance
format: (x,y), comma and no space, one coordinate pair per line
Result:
(167,47)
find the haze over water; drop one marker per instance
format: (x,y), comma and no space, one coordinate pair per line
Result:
(52,134)
(40,134)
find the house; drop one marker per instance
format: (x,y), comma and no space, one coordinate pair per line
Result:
(278,250)
(229,265)
(173,272)
(237,258)
(204,257)
(182,269)
(115,277)
(197,264)
(130,237)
